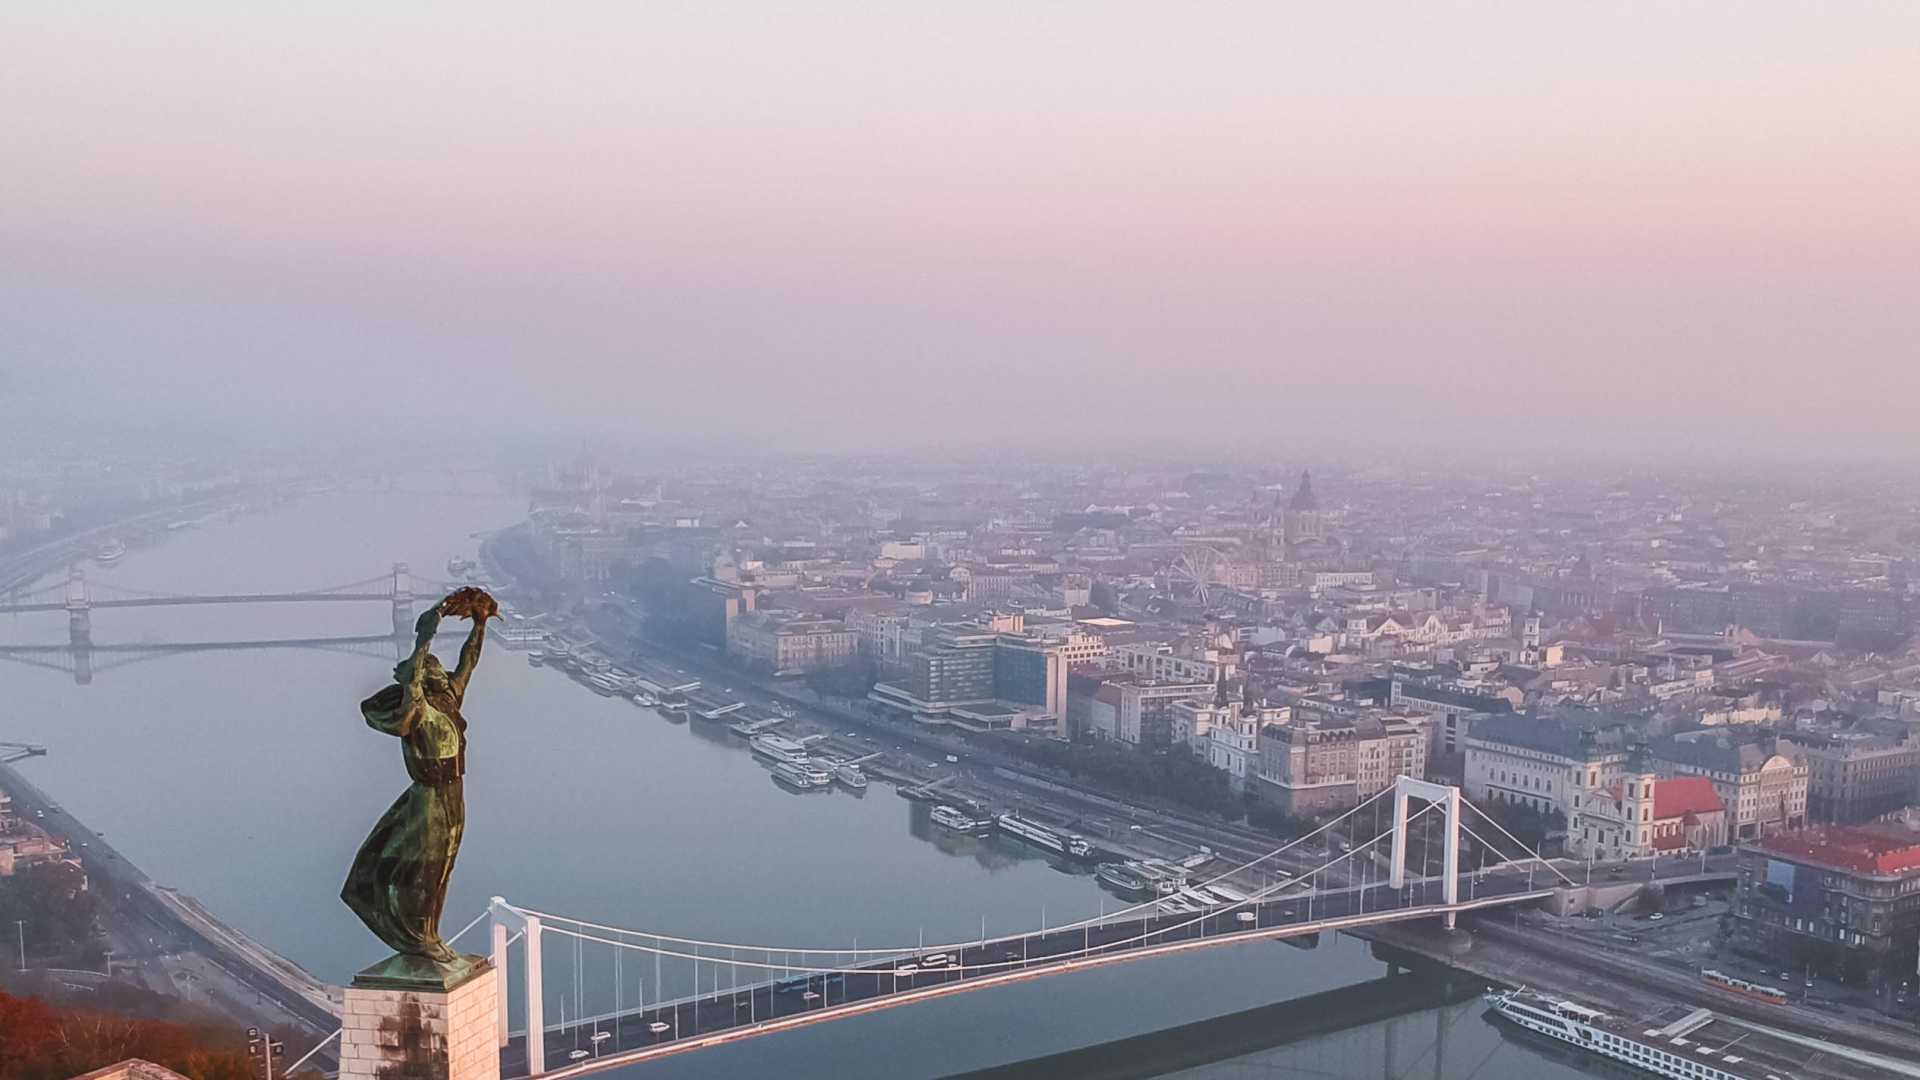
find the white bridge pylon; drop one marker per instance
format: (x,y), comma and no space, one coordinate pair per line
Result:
(1447,798)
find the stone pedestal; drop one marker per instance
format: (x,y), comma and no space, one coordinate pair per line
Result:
(423,1032)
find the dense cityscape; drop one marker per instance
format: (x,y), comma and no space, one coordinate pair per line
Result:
(1693,695)
(1068,541)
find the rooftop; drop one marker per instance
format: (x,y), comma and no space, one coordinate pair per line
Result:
(1682,796)
(1861,850)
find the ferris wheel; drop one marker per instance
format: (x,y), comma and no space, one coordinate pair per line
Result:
(1192,573)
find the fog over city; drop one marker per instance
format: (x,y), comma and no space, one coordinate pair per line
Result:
(890,540)
(1623,232)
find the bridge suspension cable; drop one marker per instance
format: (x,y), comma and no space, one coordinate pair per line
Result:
(1108,918)
(1532,855)
(1088,950)
(1282,849)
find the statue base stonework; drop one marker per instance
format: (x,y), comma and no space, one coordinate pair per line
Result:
(430,1028)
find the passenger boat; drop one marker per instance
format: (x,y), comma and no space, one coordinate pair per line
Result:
(950,817)
(850,777)
(1662,1051)
(1227,893)
(520,637)
(1199,898)
(112,552)
(1034,834)
(537,657)
(644,699)
(1165,877)
(801,775)
(606,685)
(1758,991)
(747,728)
(674,703)
(778,748)
(1123,877)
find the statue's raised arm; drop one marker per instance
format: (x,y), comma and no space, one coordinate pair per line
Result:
(477,605)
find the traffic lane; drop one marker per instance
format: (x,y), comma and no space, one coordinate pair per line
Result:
(743,1007)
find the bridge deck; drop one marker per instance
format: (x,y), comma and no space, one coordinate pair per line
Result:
(745,1011)
(226,598)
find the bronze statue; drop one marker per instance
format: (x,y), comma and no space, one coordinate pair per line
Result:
(398,883)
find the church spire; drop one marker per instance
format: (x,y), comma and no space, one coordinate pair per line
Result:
(1303,500)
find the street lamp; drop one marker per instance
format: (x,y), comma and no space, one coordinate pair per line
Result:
(20,925)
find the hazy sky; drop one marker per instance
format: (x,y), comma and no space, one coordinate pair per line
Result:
(1638,226)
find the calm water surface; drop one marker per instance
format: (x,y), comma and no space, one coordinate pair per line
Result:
(248,779)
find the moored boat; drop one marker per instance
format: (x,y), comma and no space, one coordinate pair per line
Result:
(849,776)
(958,820)
(1039,836)
(747,728)
(778,748)
(1692,1046)
(606,684)
(1123,877)
(801,775)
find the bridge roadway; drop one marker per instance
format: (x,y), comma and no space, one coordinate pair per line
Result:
(711,1018)
(203,646)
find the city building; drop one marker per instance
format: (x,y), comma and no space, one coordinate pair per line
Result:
(1143,710)
(1452,710)
(1541,763)
(1837,900)
(1309,768)
(982,679)
(1303,524)
(1225,733)
(706,605)
(1855,776)
(787,645)
(1159,662)
(1764,792)
(24,844)
(1387,747)
(1642,813)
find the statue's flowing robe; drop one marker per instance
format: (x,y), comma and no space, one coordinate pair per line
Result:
(398,883)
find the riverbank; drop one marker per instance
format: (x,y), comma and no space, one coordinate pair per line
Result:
(21,567)
(1505,954)
(166,942)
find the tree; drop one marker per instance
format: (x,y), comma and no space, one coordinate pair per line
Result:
(41,1042)
(29,1031)
(53,899)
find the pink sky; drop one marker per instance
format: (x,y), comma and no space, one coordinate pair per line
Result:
(1544,217)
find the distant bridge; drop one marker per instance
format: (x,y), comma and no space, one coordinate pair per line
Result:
(11,752)
(75,597)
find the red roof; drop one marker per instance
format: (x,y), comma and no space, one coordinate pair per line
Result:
(1678,796)
(1863,851)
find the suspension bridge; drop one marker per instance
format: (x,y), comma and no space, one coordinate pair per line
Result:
(672,994)
(84,657)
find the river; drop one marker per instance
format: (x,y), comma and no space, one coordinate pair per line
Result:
(248,779)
